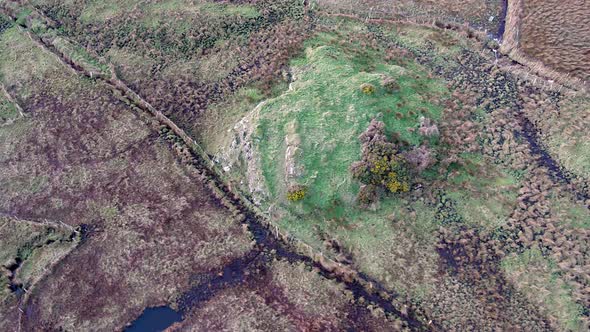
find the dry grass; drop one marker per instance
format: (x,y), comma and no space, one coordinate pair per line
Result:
(474,12)
(285,297)
(83,157)
(558,34)
(551,37)
(539,280)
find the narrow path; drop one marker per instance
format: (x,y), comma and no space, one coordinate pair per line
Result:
(44,222)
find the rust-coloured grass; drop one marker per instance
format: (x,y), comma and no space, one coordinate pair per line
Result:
(558,34)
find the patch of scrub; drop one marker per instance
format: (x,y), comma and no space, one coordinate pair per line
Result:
(101,11)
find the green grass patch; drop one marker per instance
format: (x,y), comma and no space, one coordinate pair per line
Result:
(7,111)
(327,111)
(538,278)
(330,111)
(16,68)
(485,194)
(80,56)
(570,213)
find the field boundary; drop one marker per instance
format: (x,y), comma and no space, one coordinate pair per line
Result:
(508,46)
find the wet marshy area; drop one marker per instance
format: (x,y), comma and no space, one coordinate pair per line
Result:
(261,273)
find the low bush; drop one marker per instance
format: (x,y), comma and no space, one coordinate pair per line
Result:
(390,85)
(382,164)
(367,88)
(296,193)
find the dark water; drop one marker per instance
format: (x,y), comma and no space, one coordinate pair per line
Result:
(502,25)
(154,320)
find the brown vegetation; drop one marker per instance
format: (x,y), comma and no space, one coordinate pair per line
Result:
(84,157)
(551,37)
(284,296)
(474,12)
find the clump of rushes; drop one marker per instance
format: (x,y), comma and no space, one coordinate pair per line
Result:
(367,88)
(367,194)
(296,193)
(390,85)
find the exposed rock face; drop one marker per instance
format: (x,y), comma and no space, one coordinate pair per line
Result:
(242,151)
(293,170)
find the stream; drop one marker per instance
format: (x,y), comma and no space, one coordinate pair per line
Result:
(502,23)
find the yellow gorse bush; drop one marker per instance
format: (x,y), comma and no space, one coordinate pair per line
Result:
(380,166)
(394,185)
(384,169)
(296,194)
(367,88)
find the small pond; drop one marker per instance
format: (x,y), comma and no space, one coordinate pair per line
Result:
(154,319)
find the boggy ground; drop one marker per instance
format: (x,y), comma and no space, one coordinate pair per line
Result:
(435,249)
(182,56)
(277,295)
(80,156)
